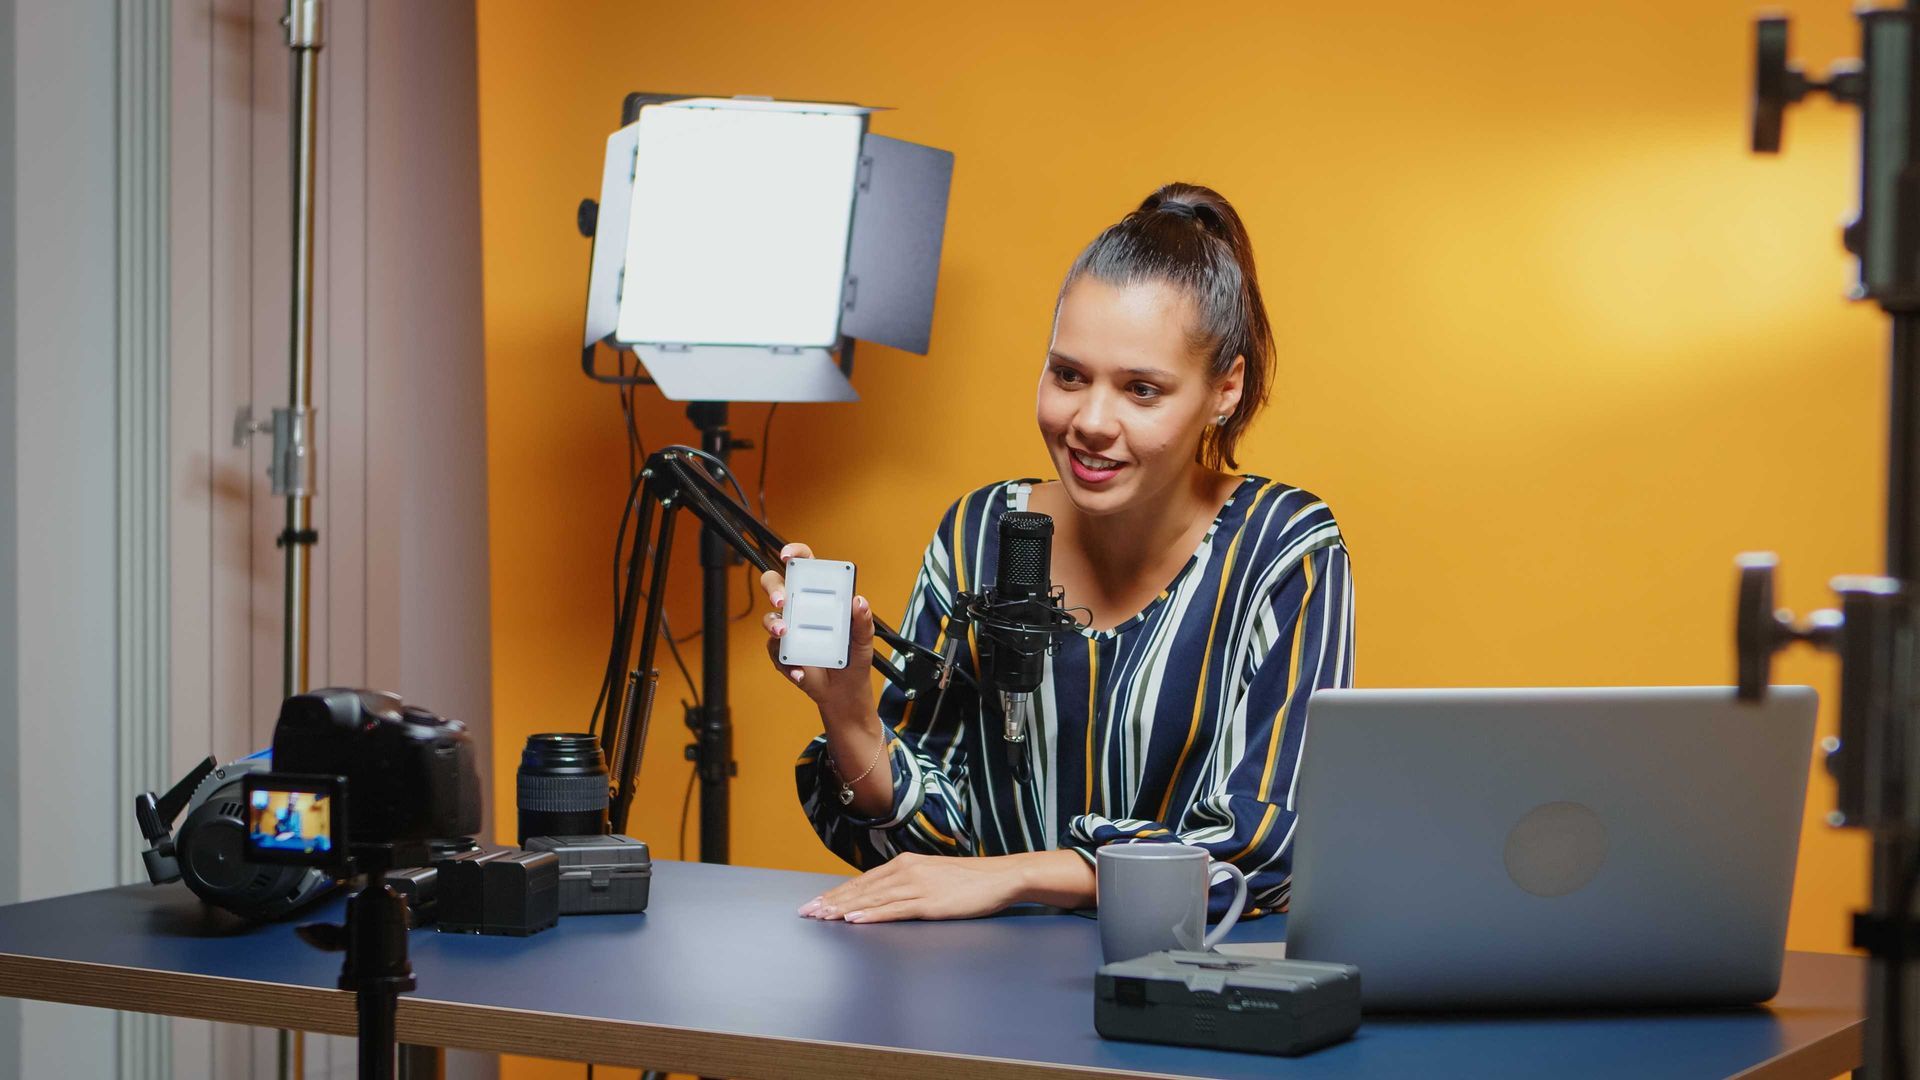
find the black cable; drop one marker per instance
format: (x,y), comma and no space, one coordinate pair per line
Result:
(666,631)
(626,409)
(634,447)
(619,545)
(766,451)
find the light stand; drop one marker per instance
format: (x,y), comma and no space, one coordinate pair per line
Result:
(290,467)
(740,245)
(1876,759)
(672,480)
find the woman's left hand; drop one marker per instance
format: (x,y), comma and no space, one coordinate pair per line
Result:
(911,886)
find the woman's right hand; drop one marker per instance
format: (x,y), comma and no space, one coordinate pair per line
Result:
(837,691)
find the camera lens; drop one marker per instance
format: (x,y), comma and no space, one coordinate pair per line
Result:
(562,786)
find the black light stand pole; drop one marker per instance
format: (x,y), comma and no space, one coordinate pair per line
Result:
(712,721)
(1886,929)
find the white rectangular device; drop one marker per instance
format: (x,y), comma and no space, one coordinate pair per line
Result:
(818,612)
(1533,848)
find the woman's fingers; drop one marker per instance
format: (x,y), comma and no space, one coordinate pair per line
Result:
(774,583)
(910,908)
(888,877)
(775,586)
(864,900)
(842,897)
(860,633)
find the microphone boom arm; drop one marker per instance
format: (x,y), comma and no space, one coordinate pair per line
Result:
(672,481)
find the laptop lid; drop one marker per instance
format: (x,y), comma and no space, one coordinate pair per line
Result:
(1550,847)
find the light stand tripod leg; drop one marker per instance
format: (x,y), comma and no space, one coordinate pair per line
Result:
(628,744)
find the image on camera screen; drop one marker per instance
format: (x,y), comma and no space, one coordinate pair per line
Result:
(291,821)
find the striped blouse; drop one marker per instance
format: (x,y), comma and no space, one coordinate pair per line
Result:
(1183,723)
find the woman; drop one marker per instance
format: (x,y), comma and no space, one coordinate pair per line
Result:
(1218,603)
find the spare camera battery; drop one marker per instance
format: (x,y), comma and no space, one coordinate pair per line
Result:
(1221,1002)
(497,891)
(818,613)
(522,893)
(599,875)
(561,787)
(416,885)
(460,891)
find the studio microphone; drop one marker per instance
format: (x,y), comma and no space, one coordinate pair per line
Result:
(1020,618)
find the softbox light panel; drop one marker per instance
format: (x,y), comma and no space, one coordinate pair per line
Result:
(739,240)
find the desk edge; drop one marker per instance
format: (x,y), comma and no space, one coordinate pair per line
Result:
(1835,1054)
(433,1022)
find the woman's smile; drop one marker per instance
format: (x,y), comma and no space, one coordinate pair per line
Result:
(1091,469)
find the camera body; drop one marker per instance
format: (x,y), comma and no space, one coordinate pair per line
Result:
(409,774)
(264,837)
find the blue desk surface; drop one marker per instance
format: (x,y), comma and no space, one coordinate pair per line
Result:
(720,975)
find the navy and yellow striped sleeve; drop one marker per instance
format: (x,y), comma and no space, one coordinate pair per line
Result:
(1241,808)
(930,810)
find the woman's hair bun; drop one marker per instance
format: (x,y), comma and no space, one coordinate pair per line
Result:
(1191,201)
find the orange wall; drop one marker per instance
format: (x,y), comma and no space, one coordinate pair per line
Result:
(1554,345)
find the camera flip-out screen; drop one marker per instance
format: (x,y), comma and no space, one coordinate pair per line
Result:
(296,819)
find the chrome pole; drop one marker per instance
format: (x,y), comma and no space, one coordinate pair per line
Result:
(293,435)
(303,37)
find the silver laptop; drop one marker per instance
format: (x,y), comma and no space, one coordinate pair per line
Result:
(1533,848)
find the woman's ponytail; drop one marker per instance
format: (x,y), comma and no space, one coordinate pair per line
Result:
(1191,236)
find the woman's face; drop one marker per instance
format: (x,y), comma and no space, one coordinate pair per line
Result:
(1124,397)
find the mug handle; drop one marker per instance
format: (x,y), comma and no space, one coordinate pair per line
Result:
(1239,901)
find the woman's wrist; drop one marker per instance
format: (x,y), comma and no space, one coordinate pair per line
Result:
(853,713)
(1059,878)
(856,753)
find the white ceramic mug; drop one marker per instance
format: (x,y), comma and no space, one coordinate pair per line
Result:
(1154,897)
